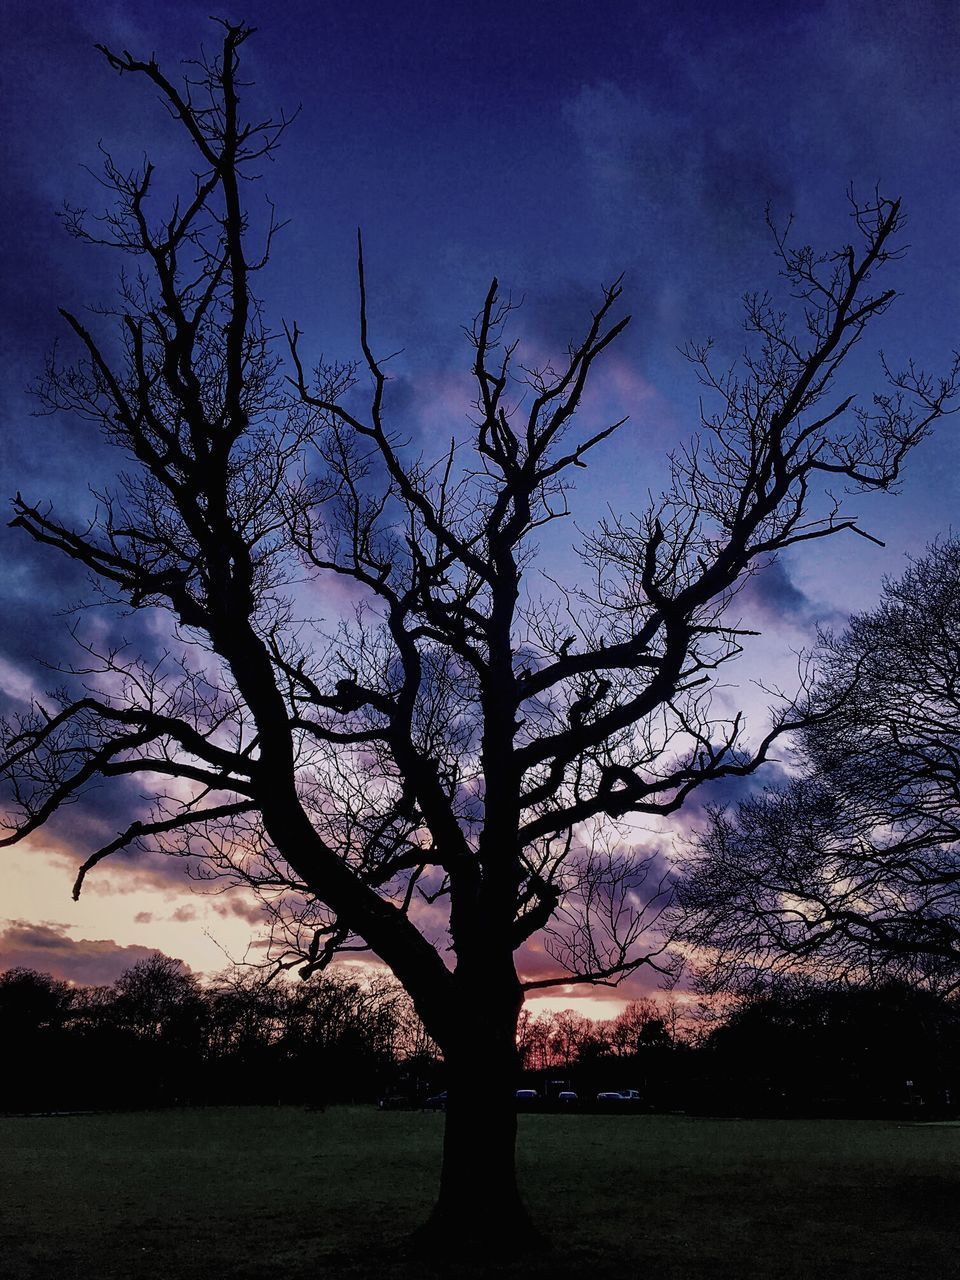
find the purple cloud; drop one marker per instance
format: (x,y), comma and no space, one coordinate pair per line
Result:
(49,948)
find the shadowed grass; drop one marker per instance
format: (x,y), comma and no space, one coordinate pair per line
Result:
(281,1192)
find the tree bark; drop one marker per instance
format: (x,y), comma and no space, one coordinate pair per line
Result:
(479,1210)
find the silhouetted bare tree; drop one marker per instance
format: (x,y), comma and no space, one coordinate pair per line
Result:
(460,742)
(641,1023)
(852,868)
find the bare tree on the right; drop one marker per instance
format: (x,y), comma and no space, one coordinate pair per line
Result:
(852,867)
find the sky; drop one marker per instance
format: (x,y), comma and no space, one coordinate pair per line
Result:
(555,145)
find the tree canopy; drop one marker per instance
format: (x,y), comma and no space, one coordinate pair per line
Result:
(853,865)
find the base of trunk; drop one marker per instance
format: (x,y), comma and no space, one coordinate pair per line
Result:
(479,1213)
(477,1233)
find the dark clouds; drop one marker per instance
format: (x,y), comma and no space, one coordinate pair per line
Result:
(103,811)
(774,593)
(42,621)
(49,948)
(771,595)
(648,141)
(728,791)
(751,108)
(770,598)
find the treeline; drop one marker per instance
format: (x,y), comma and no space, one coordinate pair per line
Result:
(156,1037)
(796,1048)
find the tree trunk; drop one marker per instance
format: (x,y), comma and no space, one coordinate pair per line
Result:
(479,1209)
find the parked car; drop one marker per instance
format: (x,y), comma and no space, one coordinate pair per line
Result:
(568,1096)
(396,1102)
(526,1095)
(438,1102)
(619,1095)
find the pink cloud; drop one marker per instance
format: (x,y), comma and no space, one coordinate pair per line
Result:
(48,948)
(241,909)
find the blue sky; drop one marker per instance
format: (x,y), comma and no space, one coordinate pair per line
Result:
(553,144)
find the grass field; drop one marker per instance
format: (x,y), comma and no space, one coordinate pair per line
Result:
(290,1194)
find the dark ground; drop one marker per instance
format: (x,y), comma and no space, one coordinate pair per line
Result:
(288,1194)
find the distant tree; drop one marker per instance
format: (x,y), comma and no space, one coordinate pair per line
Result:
(570,1033)
(641,1023)
(245,1016)
(32,1002)
(34,1008)
(158,1036)
(341,1035)
(158,1018)
(533,1040)
(460,739)
(852,867)
(157,999)
(816,1048)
